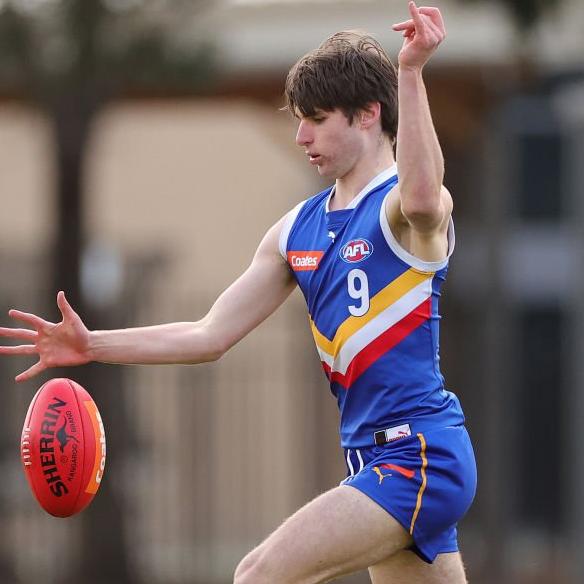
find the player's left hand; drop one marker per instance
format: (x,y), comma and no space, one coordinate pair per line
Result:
(422,35)
(57,344)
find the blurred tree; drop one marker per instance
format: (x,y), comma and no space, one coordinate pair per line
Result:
(71,58)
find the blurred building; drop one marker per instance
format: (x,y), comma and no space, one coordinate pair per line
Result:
(181,192)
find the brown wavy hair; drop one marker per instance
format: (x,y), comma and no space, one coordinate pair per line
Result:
(348,70)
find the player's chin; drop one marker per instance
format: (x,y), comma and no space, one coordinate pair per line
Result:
(326,170)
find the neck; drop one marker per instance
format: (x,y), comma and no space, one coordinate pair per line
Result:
(353,182)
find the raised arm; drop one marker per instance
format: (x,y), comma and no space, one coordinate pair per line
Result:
(424,202)
(239,309)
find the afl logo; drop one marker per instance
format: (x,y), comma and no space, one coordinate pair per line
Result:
(356,250)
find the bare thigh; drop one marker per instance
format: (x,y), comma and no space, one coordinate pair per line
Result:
(405,567)
(339,532)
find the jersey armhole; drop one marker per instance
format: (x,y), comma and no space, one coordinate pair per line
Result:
(287,227)
(406,256)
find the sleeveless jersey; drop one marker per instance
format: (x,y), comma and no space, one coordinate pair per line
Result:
(373,311)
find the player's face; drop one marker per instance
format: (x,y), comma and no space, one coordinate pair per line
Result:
(330,142)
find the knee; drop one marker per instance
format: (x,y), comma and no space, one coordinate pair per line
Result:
(251,570)
(246,571)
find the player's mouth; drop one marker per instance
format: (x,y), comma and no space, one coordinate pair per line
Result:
(314,158)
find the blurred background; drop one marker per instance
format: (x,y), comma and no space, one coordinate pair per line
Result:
(142,157)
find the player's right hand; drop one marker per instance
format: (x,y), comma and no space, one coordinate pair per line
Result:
(56,344)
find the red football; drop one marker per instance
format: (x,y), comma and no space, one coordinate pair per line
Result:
(63,447)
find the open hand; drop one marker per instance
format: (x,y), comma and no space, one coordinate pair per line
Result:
(422,34)
(56,344)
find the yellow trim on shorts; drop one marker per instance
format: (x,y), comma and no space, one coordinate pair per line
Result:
(424,482)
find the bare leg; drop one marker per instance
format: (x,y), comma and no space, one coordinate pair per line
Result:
(405,567)
(339,532)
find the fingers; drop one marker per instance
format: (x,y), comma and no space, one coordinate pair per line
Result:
(19,350)
(24,350)
(434,15)
(64,306)
(430,31)
(407,27)
(433,20)
(31,319)
(30,372)
(433,30)
(403,25)
(423,17)
(415,14)
(23,334)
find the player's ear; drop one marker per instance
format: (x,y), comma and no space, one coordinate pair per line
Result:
(369,115)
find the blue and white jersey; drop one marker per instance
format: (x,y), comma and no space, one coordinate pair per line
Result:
(373,311)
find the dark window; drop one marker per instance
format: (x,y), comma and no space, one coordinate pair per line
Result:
(539,176)
(539,417)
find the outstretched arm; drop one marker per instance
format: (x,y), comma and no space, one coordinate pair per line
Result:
(425,204)
(239,309)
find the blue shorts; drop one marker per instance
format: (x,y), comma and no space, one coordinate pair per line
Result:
(426,481)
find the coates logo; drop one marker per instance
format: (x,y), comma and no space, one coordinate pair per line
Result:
(302,261)
(100,450)
(356,250)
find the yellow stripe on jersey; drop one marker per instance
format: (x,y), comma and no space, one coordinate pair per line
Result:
(424,482)
(384,298)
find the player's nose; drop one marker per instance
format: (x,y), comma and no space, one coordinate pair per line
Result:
(304,134)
